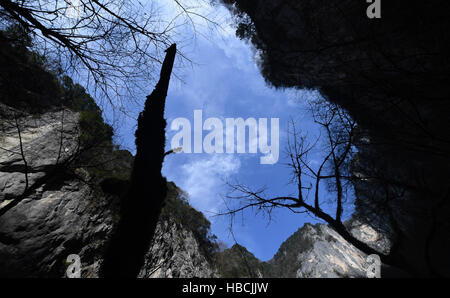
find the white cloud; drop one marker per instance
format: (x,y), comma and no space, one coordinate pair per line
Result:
(203,180)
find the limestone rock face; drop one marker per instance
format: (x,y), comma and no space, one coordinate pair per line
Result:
(317,251)
(39,233)
(47,141)
(330,255)
(174,252)
(60,214)
(56,215)
(313,251)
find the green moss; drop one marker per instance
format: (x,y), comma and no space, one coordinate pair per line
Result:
(177,209)
(93,129)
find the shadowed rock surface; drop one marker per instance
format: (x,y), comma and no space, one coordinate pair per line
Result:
(65,215)
(314,251)
(392,75)
(175,252)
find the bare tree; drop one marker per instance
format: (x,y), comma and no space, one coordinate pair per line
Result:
(382,74)
(116,46)
(334,170)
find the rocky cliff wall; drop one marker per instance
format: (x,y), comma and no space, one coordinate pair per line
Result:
(52,212)
(174,252)
(313,251)
(319,251)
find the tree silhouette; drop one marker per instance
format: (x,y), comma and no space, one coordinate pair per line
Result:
(335,169)
(142,204)
(114,46)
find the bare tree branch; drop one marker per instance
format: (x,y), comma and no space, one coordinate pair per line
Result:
(114,46)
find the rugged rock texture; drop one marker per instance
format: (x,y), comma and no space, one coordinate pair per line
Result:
(45,144)
(61,214)
(321,252)
(314,251)
(58,215)
(174,252)
(328,255)
(318,251)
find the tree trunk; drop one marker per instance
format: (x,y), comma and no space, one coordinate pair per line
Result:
(142,205)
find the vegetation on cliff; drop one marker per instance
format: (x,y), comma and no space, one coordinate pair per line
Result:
(30,86)
(238,262)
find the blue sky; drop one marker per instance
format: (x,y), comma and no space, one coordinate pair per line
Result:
(223,82)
